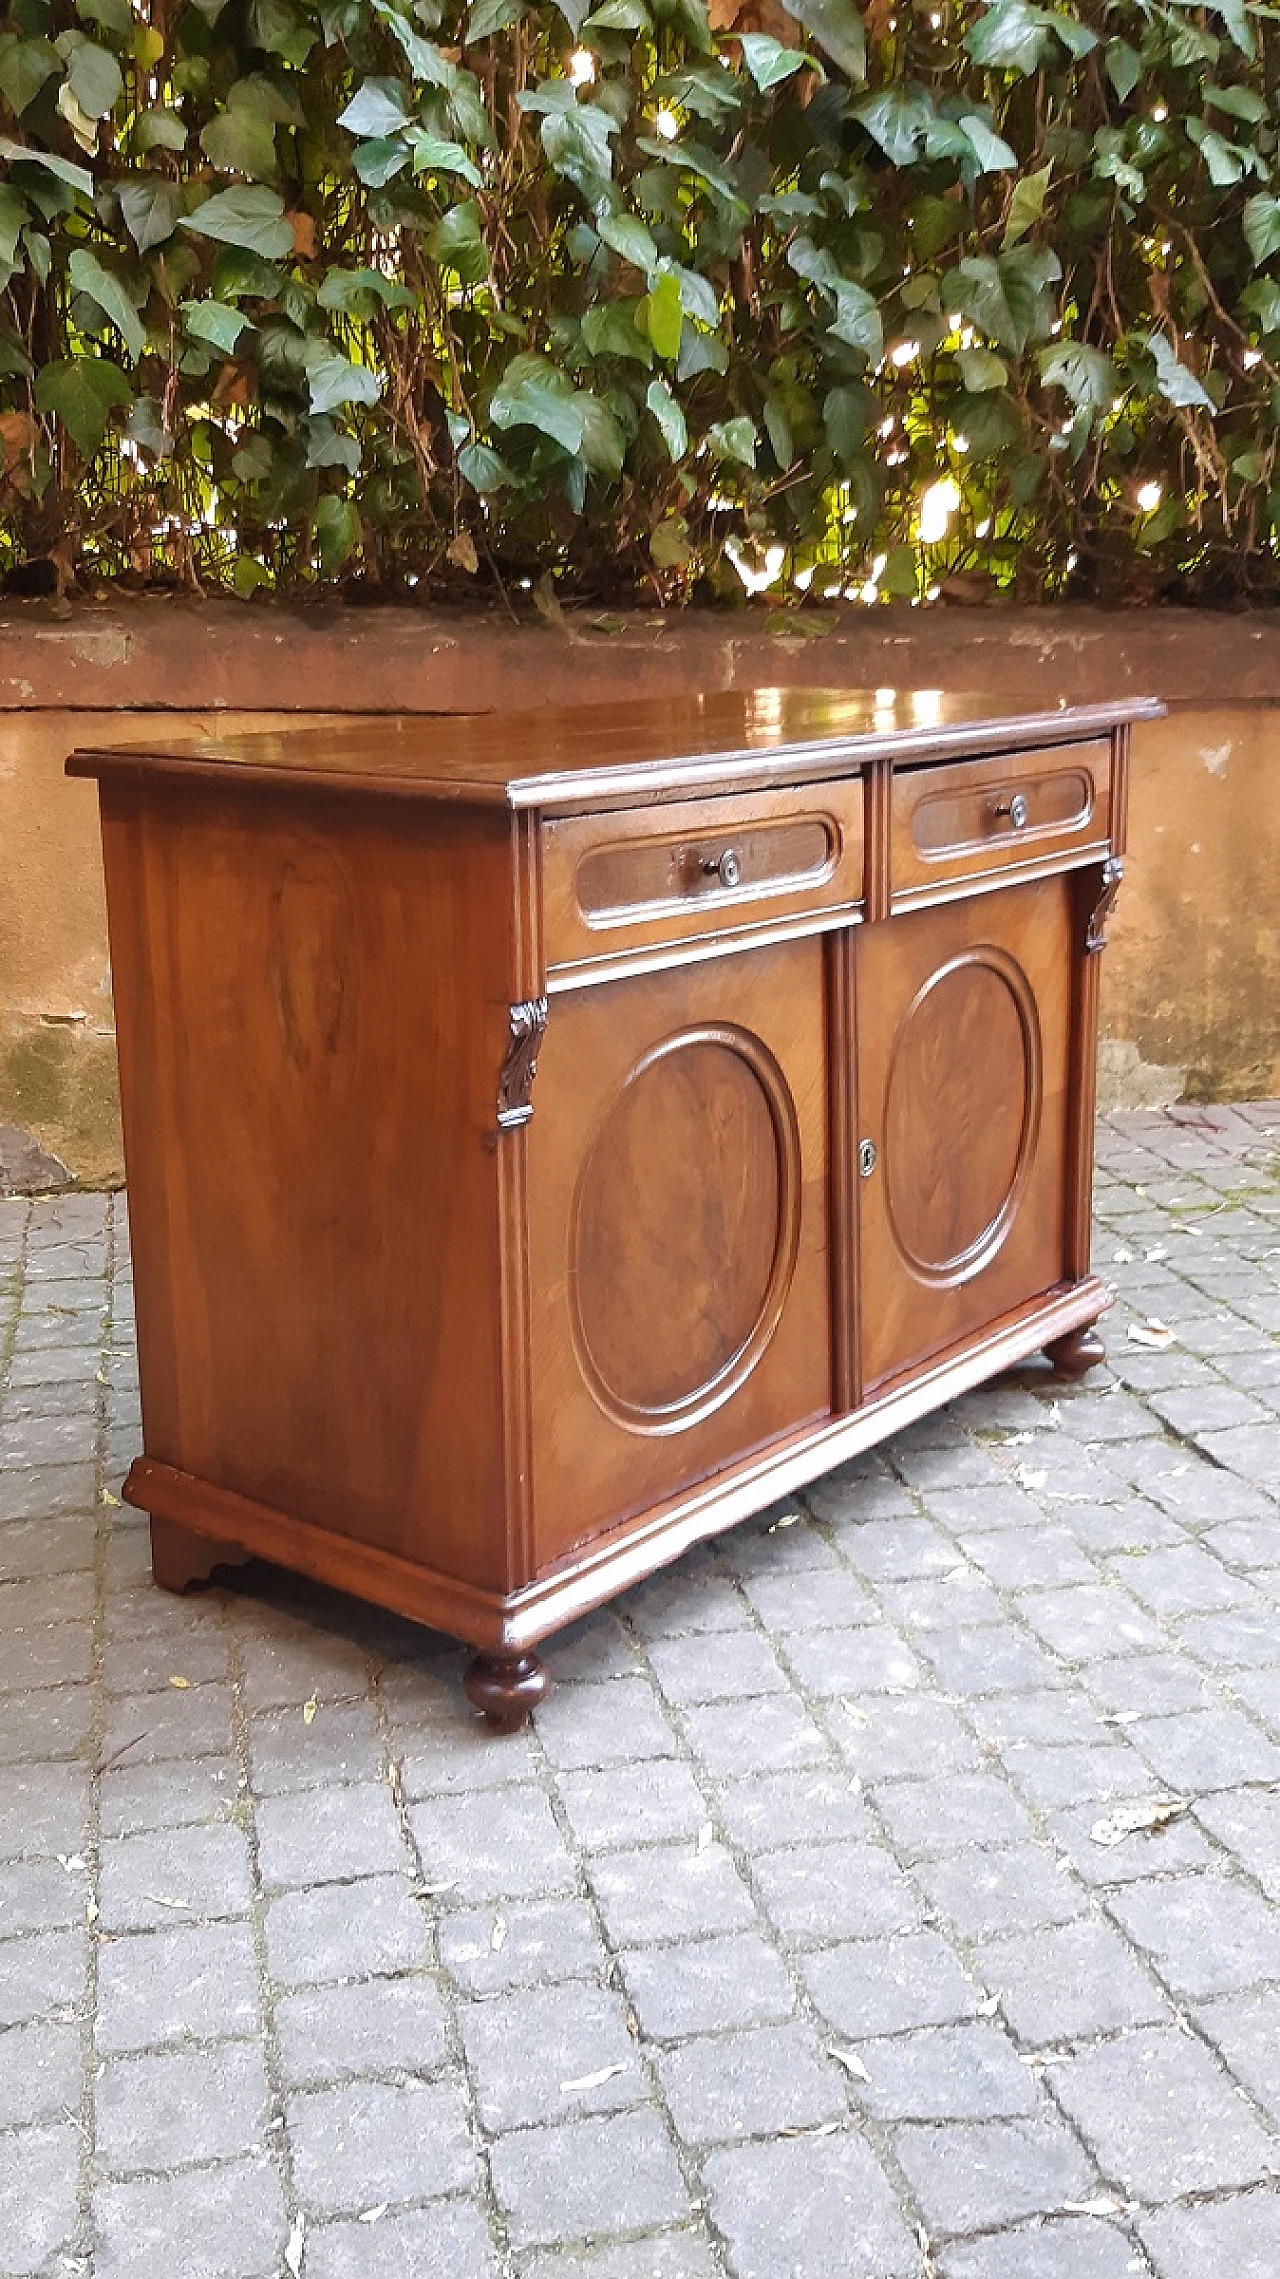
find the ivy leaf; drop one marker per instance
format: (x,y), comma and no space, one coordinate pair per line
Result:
(483,469)
(88,276)
(248,216)
(94,78)
(489,16)
(992,155)
(611,329)
(1261,227)
(768,62)
(241,140)
(604,440)
(333,380)
(64,169)
(82,391)
(1009,36)
(532,393)
(1123,67)
(1008,297)
(630,240)
(847,414)
(25,66)
(378,162)
(980,370)
(837,27)
(898,118)
(1262,300)
(356,289)
(858,321)
(214,321)
(664,318)
(620,16)
(669,546)
(151,207)
(1026,206)
(380,107)
(1238,103)
(733,439)
(1175,383)
(1088,376)
(457,241)
(158,129)
(1222,159)
(336,524)
(431,155)
(424,58)
(671,420)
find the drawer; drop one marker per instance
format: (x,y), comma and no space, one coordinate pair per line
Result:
(1013,814)
(643,877)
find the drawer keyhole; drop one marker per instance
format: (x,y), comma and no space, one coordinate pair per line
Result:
(867,1158)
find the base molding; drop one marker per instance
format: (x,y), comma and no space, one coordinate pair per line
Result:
(232,1528)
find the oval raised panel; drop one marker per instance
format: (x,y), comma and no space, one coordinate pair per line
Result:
(962,1115)
(686,1228)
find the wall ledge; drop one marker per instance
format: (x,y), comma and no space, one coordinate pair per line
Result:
(162,653)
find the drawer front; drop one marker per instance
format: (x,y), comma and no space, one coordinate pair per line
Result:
(641,878)
(1017,813)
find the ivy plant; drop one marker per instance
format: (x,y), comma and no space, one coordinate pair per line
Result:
(644,299)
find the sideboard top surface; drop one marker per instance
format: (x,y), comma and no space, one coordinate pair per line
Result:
(601,754)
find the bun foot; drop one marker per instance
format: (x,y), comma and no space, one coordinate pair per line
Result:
(506,1688)
(1078,1351)
(179,1558)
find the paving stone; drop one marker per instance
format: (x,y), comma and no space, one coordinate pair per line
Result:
(669,2255)
(1150,1685)
(755,2083)
(778,1735)
(328,1835)
(297,1660)
(982,1894)
(674,1892)
(57,1721)
(367,2142)
(378,2026)
(341,1746)
(40,2073)
(44,1810)
(822,1892)
(988,1661)
(869,1660)
(800,2206)
(809,1599)
(658,1802)
(1090,1622)
(450,1759)
(226,2222)
(1063,1983)
(47,1488)
(739,1666)
(35,1548)
(1185,1580)
(1051,1779)
(706,1986)
(534,2056)
(600,1646)
(38,2198)
(147,1880)
(587,2179)
(1240,2236)
(690,1596)
(899,1549)
(926,1817)
(167,2112)
(167,1795)
(974,2176)
(450,2237)
(146,1728)
(1245,2030)
(886,1986)
(1016,1562)
(1205,1936)
(906,1737)
(41,1895)
(1176,1849)
(498,1844)
(41,1976)
(1248,1639)
(196,1983)
(1078,2247)
(1207,1749)
(780,1810)
(1161,2119)
(946,2073)
(606,1724)
(1248,1823)
(344,1930)
(489,1950)
(958,1597)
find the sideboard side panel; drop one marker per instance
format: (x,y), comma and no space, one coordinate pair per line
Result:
(313,1000)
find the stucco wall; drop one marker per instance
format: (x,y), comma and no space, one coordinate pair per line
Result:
(1191,1002)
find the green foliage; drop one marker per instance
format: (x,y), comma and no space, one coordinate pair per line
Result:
(438,294)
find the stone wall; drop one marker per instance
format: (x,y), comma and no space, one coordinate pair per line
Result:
(1191,1004)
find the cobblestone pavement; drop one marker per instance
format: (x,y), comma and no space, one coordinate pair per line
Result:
(788,1942)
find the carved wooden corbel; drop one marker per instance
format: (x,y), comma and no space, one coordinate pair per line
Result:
(1096,933)
(520,1062)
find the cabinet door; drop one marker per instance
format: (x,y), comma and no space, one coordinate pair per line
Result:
(678,1231)
(963,1018)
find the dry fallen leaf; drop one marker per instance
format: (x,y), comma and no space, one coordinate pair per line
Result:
(1151,1814)
(108,1498)
(1122,1257)
(591,2080)
(293,2247)
(498,1937)
(374,2215)
(850,2060)
(706,1836)
(461,551)
(158,1899)
(309,1709)
(183,1685)
(1152,1333)
(788,1519)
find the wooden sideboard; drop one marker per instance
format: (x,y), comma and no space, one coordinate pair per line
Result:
(552,1136)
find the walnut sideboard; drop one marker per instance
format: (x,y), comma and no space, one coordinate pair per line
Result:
(552,1136)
